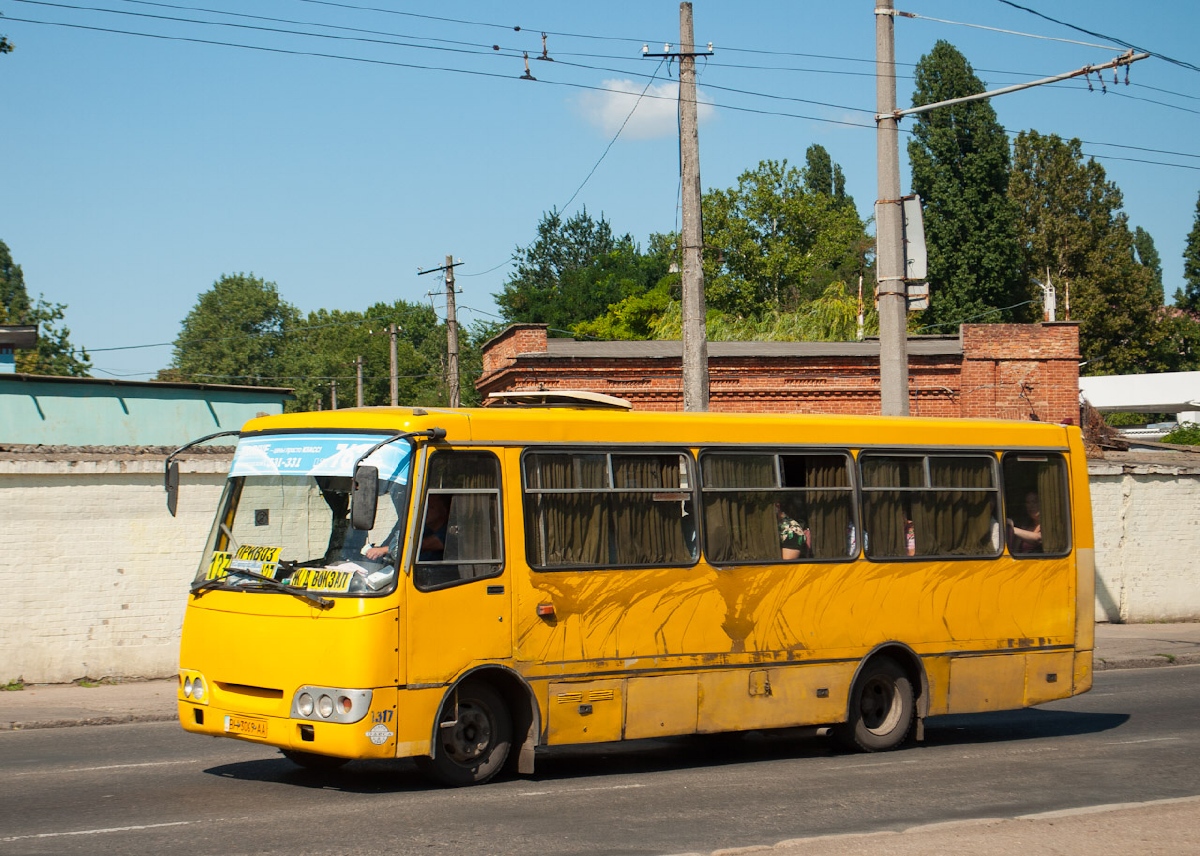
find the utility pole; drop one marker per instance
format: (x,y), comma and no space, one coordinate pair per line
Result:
(451,335)
(333,394)
(451,329)
(695,340)
(393,334)
(891,292)
(358,388)
(890,255)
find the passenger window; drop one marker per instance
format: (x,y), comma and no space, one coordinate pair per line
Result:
(1035,505)
(599,510)
(767,507)
(459,538)
(930,505)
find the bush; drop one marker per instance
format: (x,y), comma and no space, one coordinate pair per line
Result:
(1187,434)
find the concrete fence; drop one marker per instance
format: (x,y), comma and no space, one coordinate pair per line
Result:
(94,571)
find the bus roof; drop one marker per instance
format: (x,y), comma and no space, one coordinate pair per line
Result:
(588,425)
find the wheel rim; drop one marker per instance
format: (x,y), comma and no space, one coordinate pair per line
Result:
(468,740)
(880,705)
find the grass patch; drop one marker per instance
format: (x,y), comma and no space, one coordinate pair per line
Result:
(15,685)
(93,682)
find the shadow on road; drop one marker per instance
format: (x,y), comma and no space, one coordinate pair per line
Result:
(1028,724)
(681,753)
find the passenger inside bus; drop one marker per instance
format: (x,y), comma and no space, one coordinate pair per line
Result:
(795,540)
(433,536)
(1027,536)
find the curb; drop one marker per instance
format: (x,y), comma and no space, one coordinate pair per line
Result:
(1153,661)
(115,719)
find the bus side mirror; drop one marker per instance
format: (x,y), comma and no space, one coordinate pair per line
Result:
(171,485)
(363,498)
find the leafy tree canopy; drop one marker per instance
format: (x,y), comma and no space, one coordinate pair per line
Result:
(1072,226)
(54,354)
(772,243)
(574,270)
(1147,256)
(236,333)
(960,169)
(1188,297)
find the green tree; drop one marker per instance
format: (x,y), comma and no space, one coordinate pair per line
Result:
(1188,297)
(1147,257)
(773,244)
(1073,226)
(324,346)
(832,317)
(5,45)
(236,333)
(960,169)
(573,271)
(54,353)
(822,175)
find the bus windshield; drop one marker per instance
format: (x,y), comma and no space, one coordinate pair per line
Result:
(286,516)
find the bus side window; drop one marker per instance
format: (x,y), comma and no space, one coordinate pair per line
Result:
(1036,520)
(767,506)
(460,520)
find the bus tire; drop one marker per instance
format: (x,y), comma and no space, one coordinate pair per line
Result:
(881,708)
(474,743)
(313,761)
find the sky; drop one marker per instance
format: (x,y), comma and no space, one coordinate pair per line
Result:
(337,148)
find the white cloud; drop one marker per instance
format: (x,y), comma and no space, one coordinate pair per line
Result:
(656,114)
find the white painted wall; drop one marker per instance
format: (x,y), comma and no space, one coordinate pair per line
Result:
(1147,521)
(94,571)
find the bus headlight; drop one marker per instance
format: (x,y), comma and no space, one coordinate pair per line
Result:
(192,686)
(330,704)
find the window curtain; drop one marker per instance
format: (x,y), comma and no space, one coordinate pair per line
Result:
(829,511)
(951,521)
(885,511)
(567,528)
(740,526)
(648,531)
(1052,491)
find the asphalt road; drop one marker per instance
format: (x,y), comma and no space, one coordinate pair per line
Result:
(150,788)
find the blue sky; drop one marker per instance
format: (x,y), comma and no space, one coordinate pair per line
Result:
(138,170)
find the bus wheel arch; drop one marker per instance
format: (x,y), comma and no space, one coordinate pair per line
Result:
(888,700)
(495,727)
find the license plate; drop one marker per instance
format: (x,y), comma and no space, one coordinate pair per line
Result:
(249,726)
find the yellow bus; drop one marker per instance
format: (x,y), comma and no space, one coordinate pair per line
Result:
(462,586)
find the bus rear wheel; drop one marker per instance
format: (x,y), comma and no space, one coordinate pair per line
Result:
(473,738)
(881,708)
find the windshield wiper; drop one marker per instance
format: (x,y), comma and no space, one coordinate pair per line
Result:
(207,585)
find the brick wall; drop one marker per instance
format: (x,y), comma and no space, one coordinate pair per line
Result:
(95,570)
(1021,371)
(1007,371)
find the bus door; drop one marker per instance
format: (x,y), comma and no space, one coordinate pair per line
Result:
(459,610)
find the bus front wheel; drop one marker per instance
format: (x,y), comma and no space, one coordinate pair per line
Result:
(881,708)
(473,738)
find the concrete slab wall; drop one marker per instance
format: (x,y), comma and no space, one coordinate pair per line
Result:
(1147,521)
(94,571)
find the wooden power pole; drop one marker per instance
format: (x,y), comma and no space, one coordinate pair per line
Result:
(452,383)
(451,335)
(691,239)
